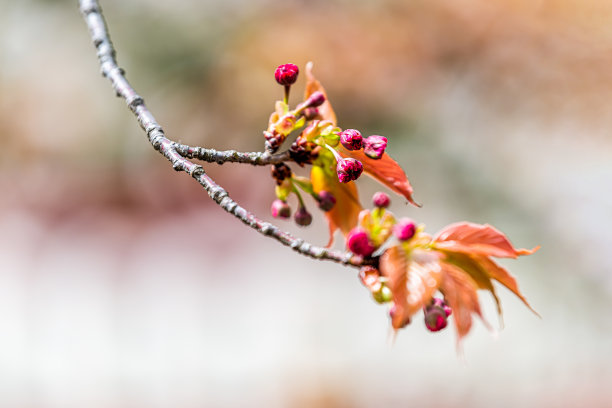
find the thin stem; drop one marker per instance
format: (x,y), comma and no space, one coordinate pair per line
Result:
(232,156)
(92,14)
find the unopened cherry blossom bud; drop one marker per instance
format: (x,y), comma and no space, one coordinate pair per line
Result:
(437,302)
(311,113)
(286,74)
(314,100)
(404,229)
(351,139)
(349,169)
(280,209)
(381,200)
(326,200)
(383,295)
(435,318)
(374,146)
(359,243)
(302,217)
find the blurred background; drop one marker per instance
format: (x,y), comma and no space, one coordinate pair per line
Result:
(123,285)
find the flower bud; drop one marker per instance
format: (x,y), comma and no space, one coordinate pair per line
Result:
(404,229)
(374,146)
(302,217)
(381,200)
(326,200)
(442,304)
(383,295)
(359,243)
(349,170)
(314,100)
(280,209)
(435,318)
(351,139)
(311,113)
(280,172)
(286,74)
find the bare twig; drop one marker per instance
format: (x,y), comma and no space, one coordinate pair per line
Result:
(176,153)
(233,156)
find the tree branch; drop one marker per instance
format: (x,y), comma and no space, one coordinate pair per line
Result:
(176,153)
(220,157)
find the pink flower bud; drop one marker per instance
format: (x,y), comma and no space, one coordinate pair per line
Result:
(311,113)
(404,229)
(314,100)
(437,302)
(286,74)
(326,200)
(381,200)
(302,217)
(435,318)
(351,139)
(280,209)
(374,146)
(349,170)
(359,243)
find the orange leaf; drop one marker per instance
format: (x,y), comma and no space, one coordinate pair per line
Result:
(412,281)
(345,213)
(384,170)
(477,239)
(501,275)
(312,86)
(479,274)
(459,290)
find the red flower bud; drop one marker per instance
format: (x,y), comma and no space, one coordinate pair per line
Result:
(349,170)
(280,209)
(374,146)
(404,229)
(302,217)
(435,318)
(316,99)
(359,243)
(286,74)
(311,113)
(351,139)
(381,200)
(326,200)
(437,302)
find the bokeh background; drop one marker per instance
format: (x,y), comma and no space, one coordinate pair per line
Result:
(122,285)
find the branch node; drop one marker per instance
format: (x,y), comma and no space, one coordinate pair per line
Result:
(196,171)
(267,228)
(178,165)
(297,244)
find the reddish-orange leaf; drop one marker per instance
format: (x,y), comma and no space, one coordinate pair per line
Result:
(412,281)
(394,266)
(477,239)
(479,274)
(345,213)
(459,290)
(312,86)
(501,275)
(384,170)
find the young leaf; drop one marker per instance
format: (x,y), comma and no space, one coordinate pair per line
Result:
(312,86)
(412,281)
(479,274)
(384,170)
(501,275)
(345,213)
(477,239)
(459,290)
